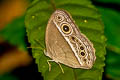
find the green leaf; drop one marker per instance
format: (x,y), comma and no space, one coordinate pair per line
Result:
(36,20)
(14,33)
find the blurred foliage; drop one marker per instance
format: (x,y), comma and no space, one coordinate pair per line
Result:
(111,19)
(14,33)
(36,20)
(8,76)
(112,69)
(10,9)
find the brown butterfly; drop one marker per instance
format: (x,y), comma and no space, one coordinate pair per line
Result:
(66,44)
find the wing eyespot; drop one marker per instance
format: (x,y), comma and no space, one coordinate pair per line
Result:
(82,53)
(59,17)
(66,28)
(81,47)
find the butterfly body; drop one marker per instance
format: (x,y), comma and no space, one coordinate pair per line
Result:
(66,44)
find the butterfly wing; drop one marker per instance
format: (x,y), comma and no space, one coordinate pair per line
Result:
(66,44)
(57,47)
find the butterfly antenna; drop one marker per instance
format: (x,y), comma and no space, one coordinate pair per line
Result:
(36,48)
(41,48)
(38,42)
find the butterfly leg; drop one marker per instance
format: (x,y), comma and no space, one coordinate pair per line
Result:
(60,67)
(48,61)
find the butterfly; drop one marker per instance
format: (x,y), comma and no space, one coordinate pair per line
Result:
(66,44)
